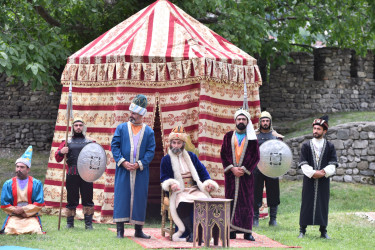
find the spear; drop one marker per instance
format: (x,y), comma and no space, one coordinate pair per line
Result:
(69,113)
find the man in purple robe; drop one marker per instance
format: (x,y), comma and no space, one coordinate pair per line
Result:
(240,156)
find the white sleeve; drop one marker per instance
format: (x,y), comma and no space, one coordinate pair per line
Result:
(308,170)
(330,170)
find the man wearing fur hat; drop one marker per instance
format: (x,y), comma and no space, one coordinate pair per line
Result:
(264,133)
(240,156)
(318,162)
(75,185)
(22,199)
(187,178)
(133,148)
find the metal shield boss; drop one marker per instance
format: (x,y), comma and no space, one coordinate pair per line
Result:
(92,161)
(275,158)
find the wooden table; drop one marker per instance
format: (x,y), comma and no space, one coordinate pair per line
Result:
(211,220)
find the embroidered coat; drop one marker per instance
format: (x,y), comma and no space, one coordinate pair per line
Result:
(170,174)
(315,192)
(131,187)
(240,189)
(32,201)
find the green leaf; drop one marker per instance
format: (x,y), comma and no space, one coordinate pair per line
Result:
(34,68)
(4,55)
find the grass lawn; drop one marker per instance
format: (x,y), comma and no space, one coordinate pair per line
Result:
(347,230)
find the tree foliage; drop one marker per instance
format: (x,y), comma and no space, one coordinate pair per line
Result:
(37,36)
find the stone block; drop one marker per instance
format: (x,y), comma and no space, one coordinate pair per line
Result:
(371,135)
(372,166)
(340,171)
(355,171)
(369,127)
(367,172)
(338,178)
(349,171)
(362,165)
(343,159)
(363,135)
(338,144)
(348,178)
(354,133)
(360,144)
(371,151)
(343,134)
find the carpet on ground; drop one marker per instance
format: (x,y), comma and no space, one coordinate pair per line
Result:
(370,216)
(157,241)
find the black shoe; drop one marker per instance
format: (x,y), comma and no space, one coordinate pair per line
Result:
(232,235)
(190,238)
(120,229)
(139,233)
(325,236)
(70,222)
(88,221)
(272,222)
(301,235)
(248,236)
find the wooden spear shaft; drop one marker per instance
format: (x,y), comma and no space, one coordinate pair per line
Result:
(63,175)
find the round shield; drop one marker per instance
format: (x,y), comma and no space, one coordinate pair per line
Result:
(275,158)
(92,161)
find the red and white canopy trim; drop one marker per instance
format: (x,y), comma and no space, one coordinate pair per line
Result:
(161,43)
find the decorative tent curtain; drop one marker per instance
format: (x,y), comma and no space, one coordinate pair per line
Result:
(194,89)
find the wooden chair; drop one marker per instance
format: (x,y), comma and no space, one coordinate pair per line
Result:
(166,215)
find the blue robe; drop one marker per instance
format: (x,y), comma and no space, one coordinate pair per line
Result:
(35,201)
(130,201)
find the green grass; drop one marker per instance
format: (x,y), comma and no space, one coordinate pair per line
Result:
(303,127)
(347,230)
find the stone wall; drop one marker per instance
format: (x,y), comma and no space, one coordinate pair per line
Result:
(330,80)
(27,117)
(17,101)
(355,148)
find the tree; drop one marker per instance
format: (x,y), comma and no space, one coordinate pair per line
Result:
(37,36)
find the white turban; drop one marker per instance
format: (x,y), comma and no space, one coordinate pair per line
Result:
(250,133)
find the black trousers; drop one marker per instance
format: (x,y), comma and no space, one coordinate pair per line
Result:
(184,211)
(272,189)
(75,186)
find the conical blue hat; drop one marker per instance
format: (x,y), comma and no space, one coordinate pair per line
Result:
(26,157)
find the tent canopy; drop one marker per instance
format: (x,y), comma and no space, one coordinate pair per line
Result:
(190,75)
(161,42)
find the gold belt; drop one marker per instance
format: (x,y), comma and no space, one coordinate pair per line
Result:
(188,182)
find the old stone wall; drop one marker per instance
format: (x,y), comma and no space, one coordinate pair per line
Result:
(330,80)
(27,117)
(355,148)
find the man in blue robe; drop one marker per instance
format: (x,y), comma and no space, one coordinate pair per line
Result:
(133,148)
(22,199)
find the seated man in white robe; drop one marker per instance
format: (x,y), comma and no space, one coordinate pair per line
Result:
(22,199)
(187,178)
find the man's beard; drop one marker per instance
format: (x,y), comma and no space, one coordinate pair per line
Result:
(265,127)
(20,175)
(77,134)
(317,136)
(177,151)
(241,126)
(132,120)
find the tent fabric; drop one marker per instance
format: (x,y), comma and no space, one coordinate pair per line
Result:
(190,74)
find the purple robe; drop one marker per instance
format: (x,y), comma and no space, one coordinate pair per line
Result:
(242,215)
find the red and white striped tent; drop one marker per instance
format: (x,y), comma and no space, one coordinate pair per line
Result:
(190,75)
